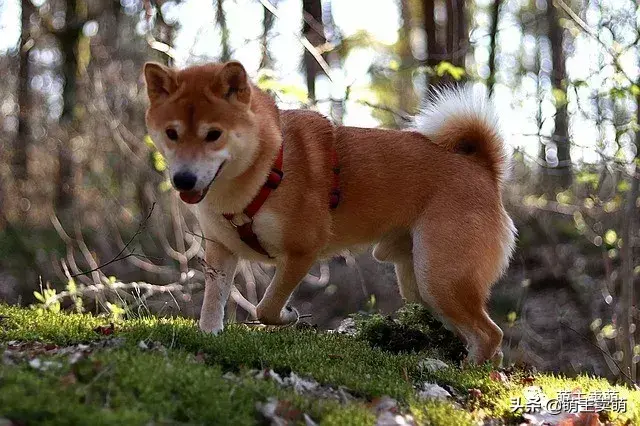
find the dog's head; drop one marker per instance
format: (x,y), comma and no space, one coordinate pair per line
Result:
(200,119)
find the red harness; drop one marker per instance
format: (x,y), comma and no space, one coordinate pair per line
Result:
(245,230)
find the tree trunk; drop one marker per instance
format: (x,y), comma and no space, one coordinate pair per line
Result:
(333,58)
(313,30)
(68,40)
(495,17)
(23,136)
(221,18)
(435,52)
(461,45)
(267,23)
(627,299)
(451,44)
(561,173)
(404,81)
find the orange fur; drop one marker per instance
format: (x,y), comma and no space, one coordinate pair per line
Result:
(430,197)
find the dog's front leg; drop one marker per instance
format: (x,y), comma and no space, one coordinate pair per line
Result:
(271,309)
(219,270)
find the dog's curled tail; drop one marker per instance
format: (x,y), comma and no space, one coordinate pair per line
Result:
(462,120)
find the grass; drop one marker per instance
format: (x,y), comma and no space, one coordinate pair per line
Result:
(184,377)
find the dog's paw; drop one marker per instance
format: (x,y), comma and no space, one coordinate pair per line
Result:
(288,315)
(212,327)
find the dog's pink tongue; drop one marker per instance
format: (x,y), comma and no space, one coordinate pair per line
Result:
(191,197)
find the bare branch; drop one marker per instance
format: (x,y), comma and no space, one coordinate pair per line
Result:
(583,25)
(303,40)
(120,256)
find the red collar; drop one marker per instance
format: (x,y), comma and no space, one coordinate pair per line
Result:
(245,230)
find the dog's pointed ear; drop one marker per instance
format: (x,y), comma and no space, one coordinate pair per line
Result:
(161,81)
(235,83)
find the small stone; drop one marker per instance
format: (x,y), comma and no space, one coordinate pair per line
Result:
(300,385)
(433,391)
(385,403)
(75,357)
(348,327)
(308,421)
(229,376)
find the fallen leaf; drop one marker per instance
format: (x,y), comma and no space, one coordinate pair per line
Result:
(584,419)
(105,330)
(475,393)
(68,379)
(498,376)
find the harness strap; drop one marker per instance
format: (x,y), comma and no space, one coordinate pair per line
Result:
(245,230)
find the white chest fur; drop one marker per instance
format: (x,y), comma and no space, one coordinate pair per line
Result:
(266,225)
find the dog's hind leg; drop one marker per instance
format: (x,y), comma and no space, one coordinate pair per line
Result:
(455,265)
(396,248)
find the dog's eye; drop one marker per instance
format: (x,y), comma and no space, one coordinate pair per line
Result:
(172,134)
(213,135)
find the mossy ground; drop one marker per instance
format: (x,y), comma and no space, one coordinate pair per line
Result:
(183,383)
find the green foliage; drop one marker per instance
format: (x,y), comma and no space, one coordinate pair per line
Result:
(76,297)
(47,298)
(447,68)
(559,97)
(267,81)
(159,162)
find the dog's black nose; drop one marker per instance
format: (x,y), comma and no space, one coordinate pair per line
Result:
(184,181)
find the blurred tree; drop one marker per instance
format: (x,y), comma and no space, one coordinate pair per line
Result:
(559,175)
(23,136)
(221,20)
(267,24)
(165,32)
(335,60)
(493,33)
(68,39)
(629,291)
(457,34)
(435,51)
(313,30)
(404,81)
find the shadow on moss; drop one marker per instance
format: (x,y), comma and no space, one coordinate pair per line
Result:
(412,329)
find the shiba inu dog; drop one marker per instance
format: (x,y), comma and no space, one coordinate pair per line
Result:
(288,187)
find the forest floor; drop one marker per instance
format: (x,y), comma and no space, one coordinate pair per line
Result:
(63,369)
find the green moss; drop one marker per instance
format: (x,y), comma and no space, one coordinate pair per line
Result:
(127,385)
(440,413)
(134,387)
(28,325)
(413,330)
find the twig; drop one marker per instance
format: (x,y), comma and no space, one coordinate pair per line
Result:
(135,285)
(631,381)
(320,281)
(119,256)
(583,25)
(242,302)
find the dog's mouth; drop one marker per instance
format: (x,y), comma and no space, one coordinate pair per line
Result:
(194,197)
